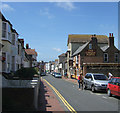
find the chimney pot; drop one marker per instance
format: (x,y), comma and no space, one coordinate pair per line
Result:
(27,46)
(112,34)
(109,34)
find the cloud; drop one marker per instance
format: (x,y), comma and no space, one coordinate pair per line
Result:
(66,5)
(57,49)
(45,12)
(6,7)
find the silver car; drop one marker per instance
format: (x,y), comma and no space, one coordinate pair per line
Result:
(58,75)
(95,81)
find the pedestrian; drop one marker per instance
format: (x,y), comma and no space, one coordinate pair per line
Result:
(80,81)
(110,75)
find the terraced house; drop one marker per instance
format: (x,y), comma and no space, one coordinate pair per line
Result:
(14,55)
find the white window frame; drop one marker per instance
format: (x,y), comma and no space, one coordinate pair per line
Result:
(5,30)
(14,43)
(90,46)
(105,58)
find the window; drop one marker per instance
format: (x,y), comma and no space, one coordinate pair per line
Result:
(4,30)
(9,33)
(116,57)
(90,46)
(105,57)
(100,77)
(13,39)
(18,49)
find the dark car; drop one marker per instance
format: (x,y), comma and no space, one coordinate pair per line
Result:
(43,74)
(113,87)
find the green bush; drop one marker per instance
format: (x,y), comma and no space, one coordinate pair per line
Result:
(25,73)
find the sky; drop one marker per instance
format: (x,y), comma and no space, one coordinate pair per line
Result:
(46,25)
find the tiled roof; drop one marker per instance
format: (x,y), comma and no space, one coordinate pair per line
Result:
(86,38)
(31,52)
(80,49)
(63,54)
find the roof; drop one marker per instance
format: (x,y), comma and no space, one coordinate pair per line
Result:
(80,49)
(56,60)
(86,38)
(63,54)
(31,52)
(104,48)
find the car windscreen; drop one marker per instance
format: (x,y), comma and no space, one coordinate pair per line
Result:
(100,77)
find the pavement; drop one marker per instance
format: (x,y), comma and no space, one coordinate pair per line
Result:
(47,99)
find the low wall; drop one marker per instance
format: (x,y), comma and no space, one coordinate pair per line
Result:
(20,95)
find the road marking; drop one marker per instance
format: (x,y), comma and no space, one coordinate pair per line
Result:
(62,98)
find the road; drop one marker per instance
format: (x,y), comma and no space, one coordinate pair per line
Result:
(83,100)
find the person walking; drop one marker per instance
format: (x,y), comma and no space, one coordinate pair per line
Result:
(80,81)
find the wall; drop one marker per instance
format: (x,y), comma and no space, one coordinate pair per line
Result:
(102,69)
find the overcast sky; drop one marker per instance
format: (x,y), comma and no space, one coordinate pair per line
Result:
(46,25)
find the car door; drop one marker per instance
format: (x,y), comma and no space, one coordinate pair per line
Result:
(86,79)
(117,87)
(113,86)
(89,81)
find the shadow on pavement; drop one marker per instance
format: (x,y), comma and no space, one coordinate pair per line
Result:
(42,102)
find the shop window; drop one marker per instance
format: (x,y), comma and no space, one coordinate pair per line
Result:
(105,57)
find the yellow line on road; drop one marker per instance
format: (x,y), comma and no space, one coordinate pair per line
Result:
(62,98)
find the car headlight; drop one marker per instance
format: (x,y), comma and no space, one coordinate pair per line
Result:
(97,84)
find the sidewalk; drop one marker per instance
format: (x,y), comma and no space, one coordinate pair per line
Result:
(47,99)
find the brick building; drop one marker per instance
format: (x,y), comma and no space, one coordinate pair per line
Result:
(78,42)
(91,57)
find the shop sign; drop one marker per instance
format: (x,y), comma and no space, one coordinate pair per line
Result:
(90,52)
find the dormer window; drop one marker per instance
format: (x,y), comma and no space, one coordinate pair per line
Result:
(90,46)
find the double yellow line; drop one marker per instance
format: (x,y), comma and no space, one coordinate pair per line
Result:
(62,98)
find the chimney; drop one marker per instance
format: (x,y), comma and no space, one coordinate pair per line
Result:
(111,40)
(22,41)
(94,39)
(27,46)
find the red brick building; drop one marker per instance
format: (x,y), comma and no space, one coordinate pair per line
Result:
(92,58)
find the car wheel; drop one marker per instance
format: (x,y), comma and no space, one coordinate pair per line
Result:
(109,93)
(84,86)
(93,88)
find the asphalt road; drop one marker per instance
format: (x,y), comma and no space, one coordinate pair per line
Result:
(83,100)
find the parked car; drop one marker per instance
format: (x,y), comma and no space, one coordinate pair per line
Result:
(113,87)
(95,81)
(58,75)
(53,73)
(43,74)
